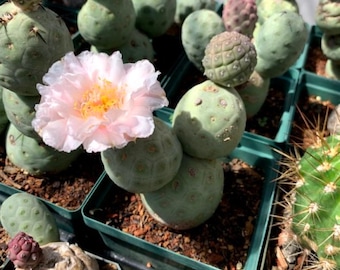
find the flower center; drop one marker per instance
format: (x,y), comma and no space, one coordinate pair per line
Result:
(98,99)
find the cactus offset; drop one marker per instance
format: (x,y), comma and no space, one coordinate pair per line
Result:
(209,120)
(197,30)
(328,16)
(106,24)
(240,16)
(185,7)
(147,164)
(267,8)
(24,251)
(35,157)
(154,17)
(23,212)
(191,197)
(230,59)
(279,42)
(26,55)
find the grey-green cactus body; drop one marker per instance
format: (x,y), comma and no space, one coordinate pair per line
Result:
(266,8)
(185,7)
(20,111)
(30,42)
(279,42)
(3,116)
(154,17)
(147,164)
(106,24)
(23,212)
(138,47)
(191,197)
(35,157)
(327,16)
(209,120)
(230,58)
(197,30)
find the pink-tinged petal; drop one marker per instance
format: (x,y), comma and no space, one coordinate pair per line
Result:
(97,101)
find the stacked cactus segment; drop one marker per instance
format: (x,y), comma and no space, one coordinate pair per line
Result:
(327,19)
(25,58)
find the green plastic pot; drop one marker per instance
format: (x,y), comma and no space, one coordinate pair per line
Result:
(251,150)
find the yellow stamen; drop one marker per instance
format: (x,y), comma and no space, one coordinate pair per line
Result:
(98,99)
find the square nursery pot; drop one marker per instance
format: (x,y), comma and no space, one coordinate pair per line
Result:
(324,90)
(185,76)
(251,150)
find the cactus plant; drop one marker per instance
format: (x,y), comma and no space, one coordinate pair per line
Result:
(279,43)
(23,212)
(138,47)
(229,59)
(197,30)
(106,24)
(25,55)
(24,251)
(147,164)
(35,157)
(327,19)
(185,7)
(154,17)
(191,197)
(209,120)
(240,16)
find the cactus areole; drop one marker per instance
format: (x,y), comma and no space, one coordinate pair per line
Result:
(316,210)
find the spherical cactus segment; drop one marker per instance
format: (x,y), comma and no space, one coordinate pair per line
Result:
(315,200)
(266,8)
(254,93)
(191,197)
(20,111)
(106,24)
(26,55)
(230,59)
(240,16)
(185,7)
(197,30)
(327,16)
(147,164)
(154,17)
(138,47)
(24,251)
(209,120)
(332,70)
(35,157)
(279,43)
(27,5)
(330,46)
(23,212)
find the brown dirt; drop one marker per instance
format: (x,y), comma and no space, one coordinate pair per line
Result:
(222,241)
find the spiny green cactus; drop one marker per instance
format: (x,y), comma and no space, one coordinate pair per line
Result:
(30,42)
(279,42)
(209,120)
(23,212)
(191,197)
(197,30)
(230,58)
(106,24)
(24,251)
(240,16)
(20,111)
(312,205)
(147,164)
(35,157)
(154,17)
